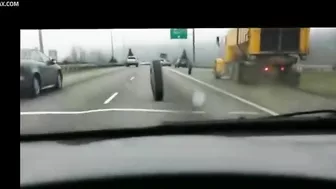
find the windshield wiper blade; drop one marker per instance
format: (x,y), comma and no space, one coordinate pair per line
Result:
(329,112)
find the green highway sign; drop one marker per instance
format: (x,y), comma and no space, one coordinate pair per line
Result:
(178,33)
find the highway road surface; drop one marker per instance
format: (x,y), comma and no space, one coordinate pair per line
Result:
(122,97)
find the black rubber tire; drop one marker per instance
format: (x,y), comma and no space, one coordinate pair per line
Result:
(59,84)
(156,80)
(137,65)
(291,79)
(32,91)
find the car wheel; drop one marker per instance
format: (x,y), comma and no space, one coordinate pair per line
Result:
(59,82)
(35,89)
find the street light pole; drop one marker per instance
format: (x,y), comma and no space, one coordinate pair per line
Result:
(41,41)
(112,44)
(193,44)
(193,49)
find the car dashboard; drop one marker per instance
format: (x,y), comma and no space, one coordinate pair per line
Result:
(211,159)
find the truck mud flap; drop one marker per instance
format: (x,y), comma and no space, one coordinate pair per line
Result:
(244,74)
(290,78)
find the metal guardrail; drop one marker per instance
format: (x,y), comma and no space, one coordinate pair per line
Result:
(68,68)
(319,68)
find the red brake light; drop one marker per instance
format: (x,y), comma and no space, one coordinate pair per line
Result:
(266,68)
(282,68)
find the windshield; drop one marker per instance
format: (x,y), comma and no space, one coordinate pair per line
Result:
(94,87)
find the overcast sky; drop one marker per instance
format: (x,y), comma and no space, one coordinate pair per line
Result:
(150,40)
(148,43)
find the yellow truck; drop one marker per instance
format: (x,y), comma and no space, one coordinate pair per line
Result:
(253,55)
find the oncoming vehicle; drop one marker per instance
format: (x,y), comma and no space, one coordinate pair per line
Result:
(38,72)
(132,60)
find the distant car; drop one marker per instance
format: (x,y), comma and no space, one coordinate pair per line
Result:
(132,60)
(38,72)
(165,62)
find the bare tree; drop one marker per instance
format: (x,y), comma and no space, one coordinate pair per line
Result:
(130,53)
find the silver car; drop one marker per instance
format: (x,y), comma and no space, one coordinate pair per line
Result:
(38,72)
(132,60)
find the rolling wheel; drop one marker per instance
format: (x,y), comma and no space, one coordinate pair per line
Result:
(156,80)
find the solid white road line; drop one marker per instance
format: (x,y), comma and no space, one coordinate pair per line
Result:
(110,98)
(246,113)
(110,110)
(226,93)
(132,78)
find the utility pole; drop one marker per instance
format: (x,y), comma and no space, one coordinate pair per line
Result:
(193,44)
(123,45)
(112,45)
(41,41)
(193,49)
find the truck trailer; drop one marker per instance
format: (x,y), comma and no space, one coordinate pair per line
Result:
(254,55)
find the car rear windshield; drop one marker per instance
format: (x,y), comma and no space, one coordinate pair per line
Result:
(131,57)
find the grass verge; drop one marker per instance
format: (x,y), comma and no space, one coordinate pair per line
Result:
(321,83)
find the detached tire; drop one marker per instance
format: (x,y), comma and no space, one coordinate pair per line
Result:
(156,80)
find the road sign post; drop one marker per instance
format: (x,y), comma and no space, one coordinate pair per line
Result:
(183,34)
(178,33)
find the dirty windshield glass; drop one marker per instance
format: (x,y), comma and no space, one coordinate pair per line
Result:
(208,74)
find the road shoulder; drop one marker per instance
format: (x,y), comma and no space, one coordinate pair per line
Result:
(280,99)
